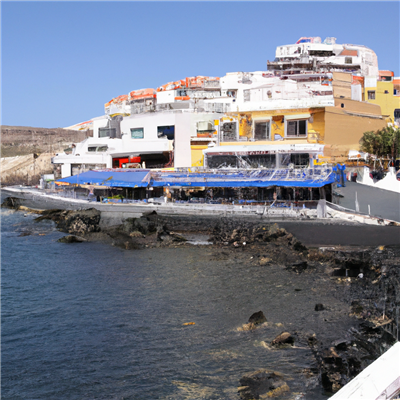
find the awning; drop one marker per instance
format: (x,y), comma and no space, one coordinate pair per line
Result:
(119,178)
(243,184)
(240,179)
(262,179)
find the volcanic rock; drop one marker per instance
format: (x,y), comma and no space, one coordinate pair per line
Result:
(257,318)
(284,339)
(71,239)
(262,384)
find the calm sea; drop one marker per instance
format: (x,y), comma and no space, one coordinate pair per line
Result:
(91,321)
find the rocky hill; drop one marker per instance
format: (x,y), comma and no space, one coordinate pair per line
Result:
(26,151)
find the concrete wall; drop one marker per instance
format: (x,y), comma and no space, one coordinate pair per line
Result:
(341,84)
(182,154)
(344,129)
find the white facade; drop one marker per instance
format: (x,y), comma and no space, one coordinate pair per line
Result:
(262,91)
(99,152)
(329,53)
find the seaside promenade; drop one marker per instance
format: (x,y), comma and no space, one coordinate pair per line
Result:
(383,203)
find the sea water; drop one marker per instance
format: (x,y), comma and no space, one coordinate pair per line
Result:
(92,321)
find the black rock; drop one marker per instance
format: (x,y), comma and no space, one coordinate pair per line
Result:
(11,202)
(257,318)
(283,339)
(24,234)
(319,307)
(298,266)
(263,383)
(71,239)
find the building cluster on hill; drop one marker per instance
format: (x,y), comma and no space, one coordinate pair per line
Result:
(311,105)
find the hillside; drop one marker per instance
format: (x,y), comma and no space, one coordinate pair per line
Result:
(20,143)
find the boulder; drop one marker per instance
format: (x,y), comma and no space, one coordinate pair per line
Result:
(74,222)
(177,237)
(298,266)
(264,261)
(11,202)
(262,384)
(25,234)
(145,225)
(84,221)
(283,339)
(71,239)
(257,318)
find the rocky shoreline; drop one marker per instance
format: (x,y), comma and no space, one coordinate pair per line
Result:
(366,279)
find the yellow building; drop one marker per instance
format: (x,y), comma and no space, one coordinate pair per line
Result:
(383,93)
(338,122)
(339,127)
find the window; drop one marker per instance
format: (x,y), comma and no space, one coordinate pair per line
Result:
(107,132)
(96,148)
(221,161)
(166,132)
(137,133)
(386,91)
(348,60)
(261,130)
(300,159)
(260,161)
(296,128)
(228,132)
(297,159)
(371,94)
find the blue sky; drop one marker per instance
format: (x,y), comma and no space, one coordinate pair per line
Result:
(61,61)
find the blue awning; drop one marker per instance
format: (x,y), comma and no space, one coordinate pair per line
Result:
(110,178)
(240,179)
(246,178)
(242,184)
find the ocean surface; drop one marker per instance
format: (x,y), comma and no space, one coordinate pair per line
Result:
(91,321)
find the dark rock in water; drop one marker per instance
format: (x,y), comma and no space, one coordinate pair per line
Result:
(262,384)
(319,307)
(71,239)
(285,338)
(75,222)
(83,221)
(146,224)
(11,202)
(347,357)
(177,237)
(22,234)
(312,340)
(257,318)
(341,344)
